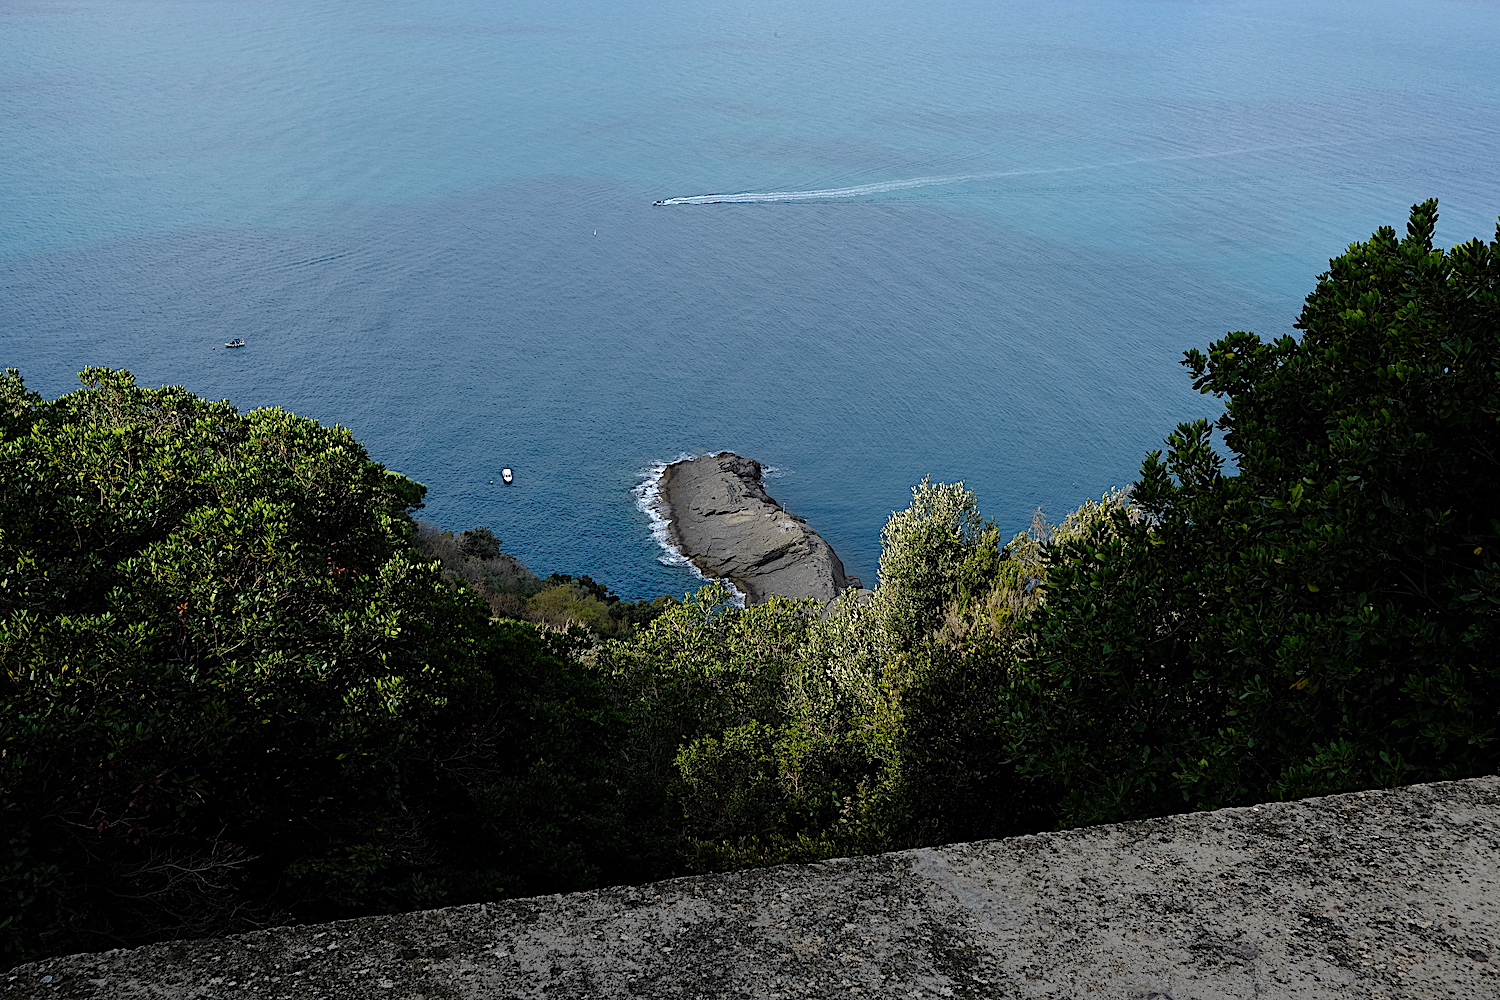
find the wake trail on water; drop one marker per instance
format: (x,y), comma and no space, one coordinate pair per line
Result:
(882,187)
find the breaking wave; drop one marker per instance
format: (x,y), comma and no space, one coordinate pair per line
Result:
(648,497)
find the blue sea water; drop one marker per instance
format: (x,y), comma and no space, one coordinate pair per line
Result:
(433,223)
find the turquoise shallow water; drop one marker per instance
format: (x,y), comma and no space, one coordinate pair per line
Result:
(433,223)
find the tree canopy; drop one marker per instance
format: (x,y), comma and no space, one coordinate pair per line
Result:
(1325,618)
(233,692)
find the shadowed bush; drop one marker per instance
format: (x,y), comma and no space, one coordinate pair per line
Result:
(234,692)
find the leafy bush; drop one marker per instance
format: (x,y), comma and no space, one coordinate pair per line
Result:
(566,600)
(1325,619)
(475,557)
(560,602)
(796,732)
(234,692)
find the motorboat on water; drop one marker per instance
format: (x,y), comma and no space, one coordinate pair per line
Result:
(662,202)
(236,342)
(508,476)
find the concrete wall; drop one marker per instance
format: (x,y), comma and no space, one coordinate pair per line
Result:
(1386,894)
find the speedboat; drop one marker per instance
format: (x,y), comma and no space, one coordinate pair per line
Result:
(508,476)
(237,342)
(663,202)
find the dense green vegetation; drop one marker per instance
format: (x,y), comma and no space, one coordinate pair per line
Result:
(241,684)
(475,558)
(234,691)
(1325,619)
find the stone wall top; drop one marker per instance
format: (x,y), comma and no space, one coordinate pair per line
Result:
(1383,894)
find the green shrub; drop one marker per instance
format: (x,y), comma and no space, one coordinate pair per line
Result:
(1325,619)
(233,692)
(787,732)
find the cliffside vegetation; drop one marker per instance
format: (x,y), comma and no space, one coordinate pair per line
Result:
(475,558)
(240,684)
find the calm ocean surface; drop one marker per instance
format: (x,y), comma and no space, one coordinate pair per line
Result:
(433,223)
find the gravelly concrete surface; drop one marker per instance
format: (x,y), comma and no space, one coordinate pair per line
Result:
(1388,894)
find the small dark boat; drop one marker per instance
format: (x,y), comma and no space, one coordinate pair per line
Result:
(237,342)
(508,476)
(658,203)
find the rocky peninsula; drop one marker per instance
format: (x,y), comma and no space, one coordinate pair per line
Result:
(720,517)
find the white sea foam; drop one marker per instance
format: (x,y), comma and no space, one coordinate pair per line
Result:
(648,497)
(856,191)
(882,187)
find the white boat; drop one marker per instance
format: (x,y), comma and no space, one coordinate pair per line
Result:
(508,476)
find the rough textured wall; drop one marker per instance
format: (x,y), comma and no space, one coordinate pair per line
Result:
(1384,894)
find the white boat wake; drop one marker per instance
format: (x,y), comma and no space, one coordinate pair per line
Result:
(752,197)
(882,187)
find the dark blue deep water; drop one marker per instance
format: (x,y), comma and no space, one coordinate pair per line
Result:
(433,223)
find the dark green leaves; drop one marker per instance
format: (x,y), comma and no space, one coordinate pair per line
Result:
(1334,599)
(221,654)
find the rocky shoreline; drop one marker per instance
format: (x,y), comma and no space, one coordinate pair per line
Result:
(720,517)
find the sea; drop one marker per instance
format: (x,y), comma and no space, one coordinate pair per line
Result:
(952,239)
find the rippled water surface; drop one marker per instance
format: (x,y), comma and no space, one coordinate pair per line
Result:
(966,240)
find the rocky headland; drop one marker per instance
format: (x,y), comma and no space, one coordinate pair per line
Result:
(721,519)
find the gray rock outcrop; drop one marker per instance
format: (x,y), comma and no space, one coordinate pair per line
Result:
(721,518)
(1388,894)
